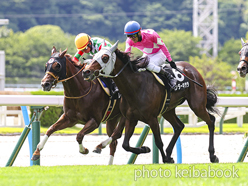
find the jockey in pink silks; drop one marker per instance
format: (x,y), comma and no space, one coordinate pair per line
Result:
(150,43)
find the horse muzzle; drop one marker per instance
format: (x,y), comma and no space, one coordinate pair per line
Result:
(242,71)
(46,86)
(90,76)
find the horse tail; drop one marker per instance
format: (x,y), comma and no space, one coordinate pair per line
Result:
(212,100)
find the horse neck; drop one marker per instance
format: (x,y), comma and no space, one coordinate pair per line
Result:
(75,85)
(127,81)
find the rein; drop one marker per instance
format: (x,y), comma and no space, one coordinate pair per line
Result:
(116,75)
(82,95)
(73,75)
(63,80)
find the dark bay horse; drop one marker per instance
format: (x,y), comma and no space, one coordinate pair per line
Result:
(243,61)
(85,102)
(143,98)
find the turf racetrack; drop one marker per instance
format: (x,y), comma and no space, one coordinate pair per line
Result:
(156,174)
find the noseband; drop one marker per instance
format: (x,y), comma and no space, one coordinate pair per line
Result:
(246,51)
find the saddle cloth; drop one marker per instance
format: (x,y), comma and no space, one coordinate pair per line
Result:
(112,100)
(182,83)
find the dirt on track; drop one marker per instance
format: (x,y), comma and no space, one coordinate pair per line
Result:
(63,150)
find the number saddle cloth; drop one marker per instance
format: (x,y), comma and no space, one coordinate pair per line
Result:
(182,83)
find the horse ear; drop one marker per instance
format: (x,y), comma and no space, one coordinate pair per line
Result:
(61,55)
(242,41)
(54,50)
(114,47)
(103,43)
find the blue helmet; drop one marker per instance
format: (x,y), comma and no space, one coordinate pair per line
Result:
(131,28)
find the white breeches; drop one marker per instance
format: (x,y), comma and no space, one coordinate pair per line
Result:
(155,61)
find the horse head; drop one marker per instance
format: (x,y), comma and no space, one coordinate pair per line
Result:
(102,63)
(243,63)
(55,70)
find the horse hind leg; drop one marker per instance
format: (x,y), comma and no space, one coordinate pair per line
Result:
(116,134)
(111,125)
(213,157)
(202,113)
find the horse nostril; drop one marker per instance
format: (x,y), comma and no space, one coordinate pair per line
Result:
(46,84)
(86,73)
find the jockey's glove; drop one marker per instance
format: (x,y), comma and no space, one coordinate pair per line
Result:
(172,64)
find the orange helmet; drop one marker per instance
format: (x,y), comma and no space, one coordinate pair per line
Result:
(82,40)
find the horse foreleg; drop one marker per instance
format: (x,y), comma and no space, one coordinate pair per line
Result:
(157,136)
(89,127)
(62,123)
(178,126)
(129,129)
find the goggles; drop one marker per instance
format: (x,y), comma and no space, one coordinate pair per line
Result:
(133,36)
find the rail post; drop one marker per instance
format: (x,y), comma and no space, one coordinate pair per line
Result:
(19,143)
(244,152)
(155,156)
(27,121)
(222,120)
(36,130)
(100,129)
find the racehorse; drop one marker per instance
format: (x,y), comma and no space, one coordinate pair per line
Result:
(243,61)
(85,102)
(143,98)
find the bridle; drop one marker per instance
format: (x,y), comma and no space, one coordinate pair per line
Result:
(243,58)
(110,76)
(56,80)
(56,77)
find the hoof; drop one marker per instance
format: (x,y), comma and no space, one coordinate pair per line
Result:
(97,150)
(86,151)
(145,149)
(169,160)
(35,157)
(215,159)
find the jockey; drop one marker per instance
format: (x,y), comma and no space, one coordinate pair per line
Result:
(150,43)
(86,44)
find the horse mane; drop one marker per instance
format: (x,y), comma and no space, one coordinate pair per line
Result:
(69,57)
(125,58)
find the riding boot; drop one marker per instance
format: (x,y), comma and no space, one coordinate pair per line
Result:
(172,79)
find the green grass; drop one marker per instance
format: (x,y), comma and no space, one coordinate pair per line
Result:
(125,175)
(227,128)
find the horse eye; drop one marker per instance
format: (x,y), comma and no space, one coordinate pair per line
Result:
(57,67)
(105,59)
